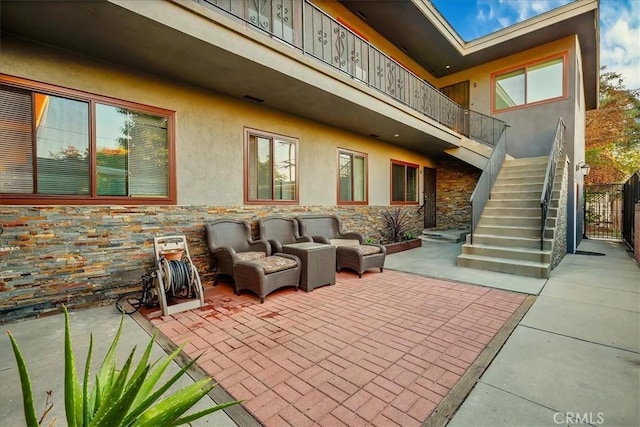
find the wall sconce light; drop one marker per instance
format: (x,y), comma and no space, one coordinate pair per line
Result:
(585,168)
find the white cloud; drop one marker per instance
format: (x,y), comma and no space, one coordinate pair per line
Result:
(495,15)
(620,39)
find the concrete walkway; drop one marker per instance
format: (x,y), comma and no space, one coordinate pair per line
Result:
(438,260)
(575,357)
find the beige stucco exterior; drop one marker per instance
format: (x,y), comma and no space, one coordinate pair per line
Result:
(210,129)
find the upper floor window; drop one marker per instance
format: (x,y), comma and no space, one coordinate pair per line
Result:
(70,147)
(352,177)
(530,84)
(404,183)
(271,173)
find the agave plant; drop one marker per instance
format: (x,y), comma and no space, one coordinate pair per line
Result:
(116,398)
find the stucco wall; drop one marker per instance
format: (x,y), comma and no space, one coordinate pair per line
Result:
(531,128)
(210,129)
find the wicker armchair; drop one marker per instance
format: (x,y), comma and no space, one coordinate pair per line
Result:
(230,241)
(351,252)
(280,231)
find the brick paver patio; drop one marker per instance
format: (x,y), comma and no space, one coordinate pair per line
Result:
(382,350)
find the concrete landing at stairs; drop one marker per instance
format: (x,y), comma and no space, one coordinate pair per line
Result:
(445,235)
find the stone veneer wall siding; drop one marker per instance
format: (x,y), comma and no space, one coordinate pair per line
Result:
(91,255)
(560,236)
(455,182)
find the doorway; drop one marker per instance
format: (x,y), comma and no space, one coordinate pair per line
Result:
(429,203)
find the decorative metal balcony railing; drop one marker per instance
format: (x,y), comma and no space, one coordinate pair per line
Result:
(310,30)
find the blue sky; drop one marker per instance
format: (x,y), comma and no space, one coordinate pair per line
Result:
(619,26)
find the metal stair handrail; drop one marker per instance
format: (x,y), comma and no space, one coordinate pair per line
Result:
(547,188)
(482,192)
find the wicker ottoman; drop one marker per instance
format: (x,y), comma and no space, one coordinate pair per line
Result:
(318,263)
(265,275)
(360,258)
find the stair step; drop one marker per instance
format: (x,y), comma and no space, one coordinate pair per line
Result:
(525,186)
(536,179)
(515,221)
(513,212)
(528,160)
(504,265)
(451,236)
(498,194)
(517,203)
(512,231)
(509,241)
(534,255)
(521,173)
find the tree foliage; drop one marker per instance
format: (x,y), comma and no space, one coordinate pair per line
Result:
(613,132)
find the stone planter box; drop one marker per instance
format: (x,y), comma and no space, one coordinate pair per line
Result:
(405,245)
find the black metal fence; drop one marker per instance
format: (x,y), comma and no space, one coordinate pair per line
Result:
(603,207)
(630,197)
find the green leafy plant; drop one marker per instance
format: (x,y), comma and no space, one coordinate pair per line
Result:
(409,235)
(117,398)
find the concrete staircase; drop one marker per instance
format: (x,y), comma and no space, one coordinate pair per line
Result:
(507,237)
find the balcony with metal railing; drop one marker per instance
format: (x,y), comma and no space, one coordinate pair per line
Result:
(308,29)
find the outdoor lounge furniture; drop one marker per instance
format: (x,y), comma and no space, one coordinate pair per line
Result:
(264,275)
(229,242)
(318,263)
(351,252)
(280,231)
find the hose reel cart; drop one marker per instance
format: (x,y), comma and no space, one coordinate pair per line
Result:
(176,277)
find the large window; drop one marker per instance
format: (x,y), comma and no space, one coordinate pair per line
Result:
(271,174)
(352,177)
(404,183)
(530,84)
(69,147)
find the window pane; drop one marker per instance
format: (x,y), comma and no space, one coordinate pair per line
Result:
(16,141)
(397,183)
(62,127)
(510,90)
(285,170)
(112,150)
(148,155)
(412,184)
(132,155)
(346,173)
(544,81)
(359,179)
(260,168)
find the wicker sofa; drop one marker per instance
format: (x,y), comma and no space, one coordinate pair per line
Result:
(229,242)
(279,231)
(351,251)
